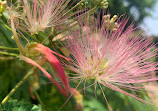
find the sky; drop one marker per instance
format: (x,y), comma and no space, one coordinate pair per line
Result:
(150,24)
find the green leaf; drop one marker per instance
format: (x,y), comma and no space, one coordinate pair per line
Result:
(14,105)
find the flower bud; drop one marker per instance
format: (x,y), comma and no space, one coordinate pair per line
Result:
(110,23)
(113,19)
(84,3)
(99,3)
(2,6)
(104,4)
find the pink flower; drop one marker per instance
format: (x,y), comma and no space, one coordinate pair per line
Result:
(120,59)
(30,61)
(47,52)
(49,55)
(42,14)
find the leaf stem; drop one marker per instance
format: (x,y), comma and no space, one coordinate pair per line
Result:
(15,36)
(5,26)
(10,54)
(17,86)
(8,48)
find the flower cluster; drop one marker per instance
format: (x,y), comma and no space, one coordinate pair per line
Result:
(116,59)
(40,15)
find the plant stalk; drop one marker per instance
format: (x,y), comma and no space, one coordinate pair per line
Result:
(8,48)
(15,36)
(17,86)
(10,54)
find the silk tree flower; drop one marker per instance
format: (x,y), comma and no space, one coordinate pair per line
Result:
(42,14)
(120,59)
(49,55)
(30,61)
